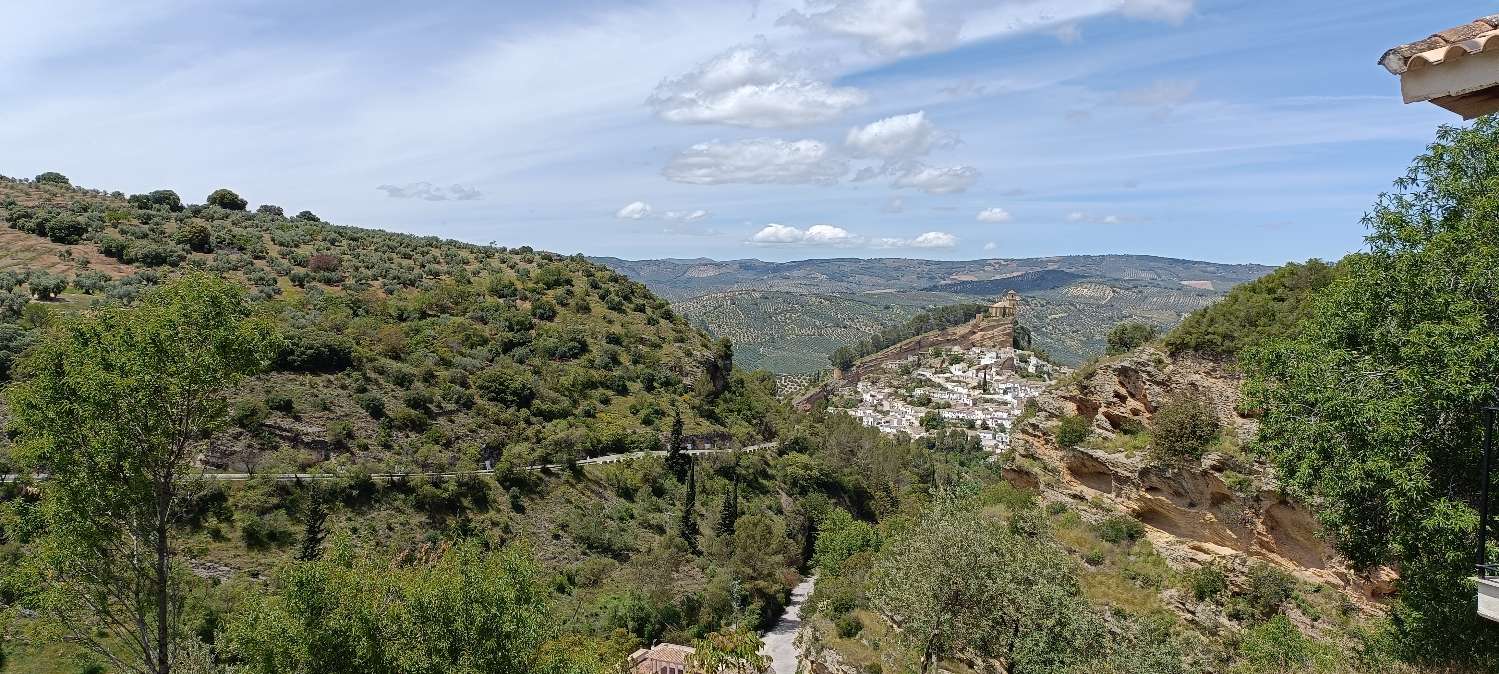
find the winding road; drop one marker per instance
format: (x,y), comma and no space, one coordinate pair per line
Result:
(290,477)
(780,641)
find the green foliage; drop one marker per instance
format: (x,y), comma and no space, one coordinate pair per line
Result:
(1271,307)
(1372,410)
(1073,429)
(1183,427)
(110,406)
(461,610)
(959,583)
(1276,646)
(931,320)
(1207,582)
(53,178)
(730,650)
(47,285)
(1266,590)
(840,536)
(1120,529)
(227,200)
(1130,336)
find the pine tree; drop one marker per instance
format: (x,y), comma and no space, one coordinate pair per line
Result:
(677,460)
(315,533)
(730,512)
(689,506)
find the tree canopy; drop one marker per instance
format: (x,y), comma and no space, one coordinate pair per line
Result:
(1371,410)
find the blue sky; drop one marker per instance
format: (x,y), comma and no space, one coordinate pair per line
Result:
(1234,130)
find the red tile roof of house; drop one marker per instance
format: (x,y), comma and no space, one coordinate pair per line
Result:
(1456,42)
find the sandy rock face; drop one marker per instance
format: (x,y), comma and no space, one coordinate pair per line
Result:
(1224,508)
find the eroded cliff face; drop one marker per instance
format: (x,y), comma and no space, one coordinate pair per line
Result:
(1223,508)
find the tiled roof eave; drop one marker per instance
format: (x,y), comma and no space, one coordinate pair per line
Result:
(1421,53)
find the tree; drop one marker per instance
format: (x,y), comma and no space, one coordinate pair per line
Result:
(729,513)
(840,536)
(1073,429)
(315,532)
(196,236)
(227,200)
(1129,336)
(1184,426)
(458,609)
(960,582)
(733,650)
(677,459)
(687,525)
(114,406)
(53,178)
(166,198)
(1372,409)
(46,285)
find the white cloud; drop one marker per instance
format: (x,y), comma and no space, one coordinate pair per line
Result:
(898,137)
(774,233)
(934,240)
(1068,33)
(923,240)
(936,179)
(1170,11)
(686,216)
(889,27)
(990,246)
(816,235)
(829,235)
(994,215)
(1160,94)
(750,86)
(759,161)
(894,205)
(1110,219)
(429,192)
(634,210)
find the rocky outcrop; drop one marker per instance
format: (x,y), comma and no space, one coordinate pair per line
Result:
(1224,508)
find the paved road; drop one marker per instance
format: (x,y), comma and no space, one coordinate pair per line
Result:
(780,641)
(290,477)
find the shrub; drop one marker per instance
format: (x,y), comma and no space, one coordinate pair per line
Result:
(249,413)
(227,200)
(1276,646)
(1184,426)
(46,285)
(53,178)
(166,198)
(323,262)
(849,626)
(1207,582)
(1073,429)
(1120,528)
(269,209)
(1271,306)
(1266,589)
(196,236)
(315,351)
(510,387)
(280,402)
(1129,336)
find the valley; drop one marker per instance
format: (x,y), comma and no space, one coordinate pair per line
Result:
(787,317)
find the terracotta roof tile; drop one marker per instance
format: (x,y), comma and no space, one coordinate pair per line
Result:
(1466,37)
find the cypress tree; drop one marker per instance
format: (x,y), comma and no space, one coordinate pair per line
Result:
(729,515)
(315,532)
(677,460)
(689,506)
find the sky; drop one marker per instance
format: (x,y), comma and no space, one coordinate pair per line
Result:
(1232,130)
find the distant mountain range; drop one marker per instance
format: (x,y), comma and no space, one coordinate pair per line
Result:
(787,316)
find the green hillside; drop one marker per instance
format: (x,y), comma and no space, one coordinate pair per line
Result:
(788,332)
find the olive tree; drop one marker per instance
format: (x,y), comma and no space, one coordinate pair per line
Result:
(114,406)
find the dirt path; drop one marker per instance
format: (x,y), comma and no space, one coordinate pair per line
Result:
(780,641)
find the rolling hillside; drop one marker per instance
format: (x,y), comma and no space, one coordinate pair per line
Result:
(787,316)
